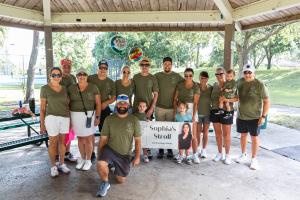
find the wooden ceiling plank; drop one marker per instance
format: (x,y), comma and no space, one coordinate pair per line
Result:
(200,4)
(127,5)
(110,5)
(191,4)
(163,5)
(145,5)
(21,3)
(173,5)
(93,4)
(119,5)
(33,4)
(182,5)
(84,5)
(154,4)
(136,4)
(55,7)
(209,5)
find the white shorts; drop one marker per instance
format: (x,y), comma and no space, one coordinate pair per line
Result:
(56,125)
(190,111)
(78,121)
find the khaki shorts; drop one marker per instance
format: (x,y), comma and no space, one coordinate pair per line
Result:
(162,114)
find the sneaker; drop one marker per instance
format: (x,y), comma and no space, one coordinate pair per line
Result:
(242,158)
(150,156)
(87,165)
(63,168)
(179,159)
(218,157)
(54,171)
(80,163)
(227,160)
(104,187)
(189,160)
(196,159)
(93,157)
(70,157)
(176,156)
(170,153)
(146,159)
(254,164)
(203,154)
(160,154)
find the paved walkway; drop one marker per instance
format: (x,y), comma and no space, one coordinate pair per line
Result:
(25,175)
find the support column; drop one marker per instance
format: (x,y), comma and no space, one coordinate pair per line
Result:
(48,49)
(228,54)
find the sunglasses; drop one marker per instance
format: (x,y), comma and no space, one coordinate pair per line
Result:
(104,68)
(219,74)
(247,72)
(124,98)
(56,75)
(204,77)
(188,76)
(82,74)
(126,72)
(144,65)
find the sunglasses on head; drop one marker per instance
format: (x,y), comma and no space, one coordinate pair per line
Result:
(56,75)
(124,98)
(144,65)
(104,68)
(219,74)
(81,74)
(188,75)
(247,72)
(126,72)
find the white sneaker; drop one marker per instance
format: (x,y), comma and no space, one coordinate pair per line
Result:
(218,157)
(227,160)
(87,165)
(54,171)
(242,158)
(203,154)
(63,168)
(196,158)
(80,163)
(254,164)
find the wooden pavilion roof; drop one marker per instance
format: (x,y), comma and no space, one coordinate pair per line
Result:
(146,15)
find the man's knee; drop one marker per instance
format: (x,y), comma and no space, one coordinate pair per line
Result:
(120,179)
(102,165)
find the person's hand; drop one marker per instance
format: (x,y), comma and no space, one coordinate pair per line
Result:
(150,112)
(43,130)
(261,121)
(97,122)
(136,161)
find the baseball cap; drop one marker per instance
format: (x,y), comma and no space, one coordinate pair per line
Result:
(81,70)
(122,98)
(248,67)
(145,59)
(65,61)
(167,59)
(103,62)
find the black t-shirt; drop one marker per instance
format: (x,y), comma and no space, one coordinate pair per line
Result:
(184,143)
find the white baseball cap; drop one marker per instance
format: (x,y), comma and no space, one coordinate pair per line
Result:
(122,98)
(248,67)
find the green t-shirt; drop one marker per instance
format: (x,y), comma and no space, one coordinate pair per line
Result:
(68,80)
(88,96)
(167,86)
(204,104)
(144,86)
(106,87)
(232,86)
(141,116)
(121,89)
(251,96)
(187,95)
(215,95)
(57,102)
(120,132)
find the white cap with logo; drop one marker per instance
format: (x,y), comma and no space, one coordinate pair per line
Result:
(122,98)
(248,67)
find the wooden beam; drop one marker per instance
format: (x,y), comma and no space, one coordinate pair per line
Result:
(24,26)
(211,16)
(287,19)
(226,9)
(47,12)
(136,29)
(20,13)
(229,37)
(262,7)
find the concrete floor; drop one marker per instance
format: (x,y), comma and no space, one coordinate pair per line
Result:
(25,174)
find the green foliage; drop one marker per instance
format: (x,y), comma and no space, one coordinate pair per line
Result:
(73,46)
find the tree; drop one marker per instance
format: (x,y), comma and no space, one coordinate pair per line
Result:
(257,56)
(2,35)
(30,70)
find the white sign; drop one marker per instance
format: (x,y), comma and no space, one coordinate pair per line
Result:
(162,135)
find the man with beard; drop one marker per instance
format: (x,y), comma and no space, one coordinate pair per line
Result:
(167,81)
(115,144)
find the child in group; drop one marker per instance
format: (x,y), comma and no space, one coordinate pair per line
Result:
(141,115)
(185,138)
(228,91)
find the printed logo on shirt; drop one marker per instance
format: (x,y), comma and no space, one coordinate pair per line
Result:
(129,127)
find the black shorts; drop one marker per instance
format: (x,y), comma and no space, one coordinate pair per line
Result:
(245,126)
(120,162)
(221,118)
(104,113)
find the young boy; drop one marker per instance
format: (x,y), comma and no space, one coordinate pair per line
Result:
(182,115)
(141,115)
(228,91)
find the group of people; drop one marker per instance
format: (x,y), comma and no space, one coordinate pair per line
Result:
(165,96)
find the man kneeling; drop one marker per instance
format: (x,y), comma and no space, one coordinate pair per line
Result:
(115,144)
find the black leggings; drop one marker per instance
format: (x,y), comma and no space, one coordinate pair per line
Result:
(104,113)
